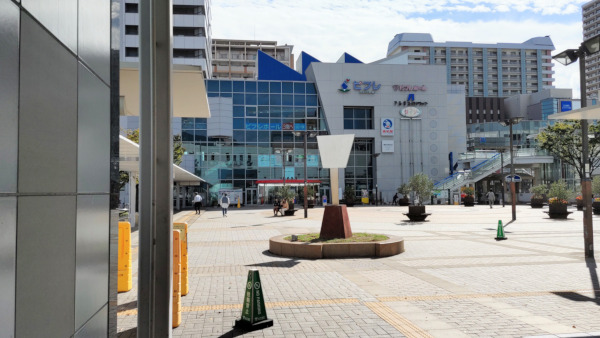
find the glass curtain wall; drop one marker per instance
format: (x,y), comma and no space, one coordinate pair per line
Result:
(265,113)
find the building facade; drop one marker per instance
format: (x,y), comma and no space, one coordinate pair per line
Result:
(235,59)
(591,27)
(191,33)
(58,169)
(489,72)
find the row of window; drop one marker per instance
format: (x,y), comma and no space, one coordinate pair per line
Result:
(177,9)
(177,31)
(177,53)
(224,86)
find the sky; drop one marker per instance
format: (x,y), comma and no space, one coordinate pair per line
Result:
(363,28)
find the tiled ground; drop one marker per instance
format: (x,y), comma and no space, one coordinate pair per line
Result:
(454,280)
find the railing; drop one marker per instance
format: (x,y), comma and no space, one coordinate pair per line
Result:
(479,171)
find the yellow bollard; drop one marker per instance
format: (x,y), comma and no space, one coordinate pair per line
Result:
(238,203)
(176,278)
(183,227)
(124,279)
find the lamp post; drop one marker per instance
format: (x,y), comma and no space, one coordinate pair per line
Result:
(513,196)
(566,57)
(306,134)
(283,152)
(375,177)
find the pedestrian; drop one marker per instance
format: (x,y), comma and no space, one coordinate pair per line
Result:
(395,199)
(276,207)
(197,203)
(224,204)
(491,197)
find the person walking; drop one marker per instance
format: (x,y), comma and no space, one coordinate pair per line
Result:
(491,197)
(224,204)
(395,199)
(197,203)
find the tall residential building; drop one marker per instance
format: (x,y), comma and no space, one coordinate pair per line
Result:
(234,59)
(191,33)
(489,72)
(591,28)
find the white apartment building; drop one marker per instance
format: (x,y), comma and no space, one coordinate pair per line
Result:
(234,59)
(191,33)
(591,28)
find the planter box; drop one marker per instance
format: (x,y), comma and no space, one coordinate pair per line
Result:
(537,202)
(558,211)
(469,201)
(416,213)
(596,208)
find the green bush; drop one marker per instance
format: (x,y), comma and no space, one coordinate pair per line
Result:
(349,194)
(469,191)
(539,191)
(422,185)
(559,191)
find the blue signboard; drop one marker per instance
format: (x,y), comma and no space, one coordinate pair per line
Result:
(263,126)
(251,126)
(264,161)
(290,173)
(275,126)
(312,160)
(300,126)
(566,105)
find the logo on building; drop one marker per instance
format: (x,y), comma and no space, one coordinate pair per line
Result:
(410,112)
(387,127)
(410,101)
(363,87)
(344,88)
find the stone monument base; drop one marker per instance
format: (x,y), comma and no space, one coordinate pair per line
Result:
(336,223)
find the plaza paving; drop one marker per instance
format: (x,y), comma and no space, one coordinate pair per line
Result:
(454,280)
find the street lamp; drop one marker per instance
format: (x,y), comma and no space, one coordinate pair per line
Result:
(509,122)
(306,134)
(375,177)
(588,47)
(284,152)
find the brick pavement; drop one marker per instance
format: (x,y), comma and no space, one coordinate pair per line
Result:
(454,280)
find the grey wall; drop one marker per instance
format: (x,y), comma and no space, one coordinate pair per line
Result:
(421,144)
(55,168)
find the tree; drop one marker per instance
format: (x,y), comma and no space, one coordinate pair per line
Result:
(563,140)
(422,185)
(134,135)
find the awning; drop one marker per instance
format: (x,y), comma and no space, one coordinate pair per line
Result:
(587,113)
(129,160)
(189,91)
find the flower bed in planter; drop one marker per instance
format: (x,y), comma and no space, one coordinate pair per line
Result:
(537,202)
(558,208)
(469,201)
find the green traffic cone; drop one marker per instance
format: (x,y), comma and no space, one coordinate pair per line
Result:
(500,233)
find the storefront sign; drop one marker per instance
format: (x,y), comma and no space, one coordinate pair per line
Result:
(363,87)
(312,160)
(566,106)
(409,88)
(387,146)
(410,112)
(410,101)
(387,126)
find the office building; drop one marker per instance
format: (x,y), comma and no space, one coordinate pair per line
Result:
(489,72)
(591,28)
(191,33)
(58,169)
(234,59)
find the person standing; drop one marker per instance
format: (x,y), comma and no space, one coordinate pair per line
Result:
(224,204)
(197,203)
(491,197)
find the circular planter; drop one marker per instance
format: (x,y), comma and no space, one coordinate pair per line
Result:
(537,202)
(416,213)
(469,201)
(596,208)
(558,211)
(404,202)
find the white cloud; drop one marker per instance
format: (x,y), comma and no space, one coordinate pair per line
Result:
(364,28)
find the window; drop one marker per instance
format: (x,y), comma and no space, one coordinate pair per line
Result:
(131,52)
(131,30)
(131,8)
(358,117)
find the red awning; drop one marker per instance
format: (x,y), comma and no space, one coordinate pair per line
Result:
(287,181)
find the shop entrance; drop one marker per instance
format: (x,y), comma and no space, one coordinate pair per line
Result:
(251,196)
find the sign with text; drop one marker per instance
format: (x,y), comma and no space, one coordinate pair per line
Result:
(566,105)
(387,126)
(387,146)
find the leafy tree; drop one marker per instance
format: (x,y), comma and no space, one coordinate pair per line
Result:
(422,185)
(563,140)
(134,135)
(539,191)
(404,189)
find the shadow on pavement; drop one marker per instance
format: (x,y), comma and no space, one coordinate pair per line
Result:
(574,296)
(232,333)
(127,306)
(128,333)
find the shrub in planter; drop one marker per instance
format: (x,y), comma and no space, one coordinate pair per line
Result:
(422,186)
(579,201)
(537,199)
(559,201)
(349,195)
(468,199)
(596,206)
(404,189)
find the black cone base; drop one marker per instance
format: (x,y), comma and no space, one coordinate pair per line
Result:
(245,325)
(500,239)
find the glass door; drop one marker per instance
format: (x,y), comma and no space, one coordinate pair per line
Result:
(251,196)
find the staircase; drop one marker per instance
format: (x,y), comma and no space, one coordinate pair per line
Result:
(478,172)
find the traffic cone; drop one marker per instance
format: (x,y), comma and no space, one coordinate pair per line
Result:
(500,234)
